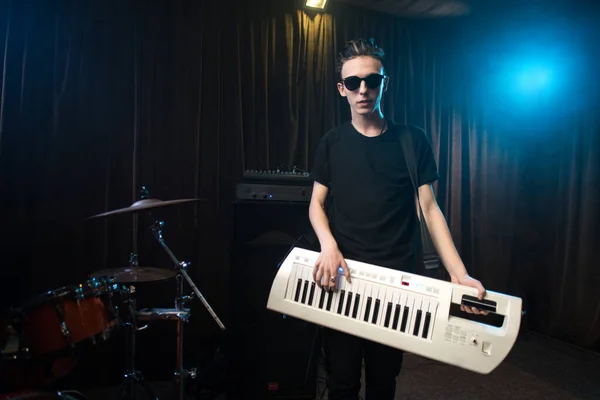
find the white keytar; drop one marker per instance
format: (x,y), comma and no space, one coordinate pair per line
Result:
(401,310)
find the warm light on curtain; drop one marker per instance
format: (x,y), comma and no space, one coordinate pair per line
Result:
(318,4)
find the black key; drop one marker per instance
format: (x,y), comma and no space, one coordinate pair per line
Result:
(404,319)
(426,325)
(356,305)
(375,312)
(485,304)
(329,299)
(312,293)
(417,323)
(388,314)
(348,303)
(322,299)
(341,303)
(368,309)
(304,292)
(298,287)
(396,317)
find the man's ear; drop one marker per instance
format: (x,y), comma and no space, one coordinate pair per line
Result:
(341,89)
(385,83)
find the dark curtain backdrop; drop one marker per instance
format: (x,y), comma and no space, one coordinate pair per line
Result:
(101,97)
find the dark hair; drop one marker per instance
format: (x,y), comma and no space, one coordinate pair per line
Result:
(359,47)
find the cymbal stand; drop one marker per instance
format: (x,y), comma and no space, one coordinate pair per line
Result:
(181,266)
(132,376)
(133,257)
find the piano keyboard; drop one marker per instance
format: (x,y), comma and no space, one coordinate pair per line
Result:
(401,310)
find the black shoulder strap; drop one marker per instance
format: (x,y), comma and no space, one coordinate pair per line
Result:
(431,259)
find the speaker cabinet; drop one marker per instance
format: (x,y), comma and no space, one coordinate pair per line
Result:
(273,355)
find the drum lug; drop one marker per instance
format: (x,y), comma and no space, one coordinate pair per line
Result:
(184,299)
(65,331)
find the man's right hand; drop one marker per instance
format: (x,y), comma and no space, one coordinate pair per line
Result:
(326,268)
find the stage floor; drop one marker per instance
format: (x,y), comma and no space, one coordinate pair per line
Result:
(537,368)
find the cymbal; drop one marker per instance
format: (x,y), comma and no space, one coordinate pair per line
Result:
(131,274)
(144,205)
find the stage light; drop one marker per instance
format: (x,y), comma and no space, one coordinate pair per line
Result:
(319,4)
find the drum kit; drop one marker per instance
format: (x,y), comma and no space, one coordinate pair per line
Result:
(40,340)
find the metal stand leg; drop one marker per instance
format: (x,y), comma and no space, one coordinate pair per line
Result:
(179,356)
(70,395)
(131,377)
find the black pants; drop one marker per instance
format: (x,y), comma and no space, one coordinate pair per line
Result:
(343,361)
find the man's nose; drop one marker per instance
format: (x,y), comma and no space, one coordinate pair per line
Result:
(363,87)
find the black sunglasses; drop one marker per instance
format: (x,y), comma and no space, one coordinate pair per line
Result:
(373,81)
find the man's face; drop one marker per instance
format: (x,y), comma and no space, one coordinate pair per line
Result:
(363,99)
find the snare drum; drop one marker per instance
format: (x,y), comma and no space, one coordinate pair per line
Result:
(63,318)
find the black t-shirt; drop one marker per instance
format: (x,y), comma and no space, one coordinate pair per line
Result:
(371,201)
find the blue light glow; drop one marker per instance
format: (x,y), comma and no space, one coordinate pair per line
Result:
(533,79)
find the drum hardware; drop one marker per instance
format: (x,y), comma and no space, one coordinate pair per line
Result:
(134,273)
(163,314)
(132,376)
(11,344)
(60,312)
(181,267)
(53,324)
(68,316)
(71,394)
(41,341)
(144,204)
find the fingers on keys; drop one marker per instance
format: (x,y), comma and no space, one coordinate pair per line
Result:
(322,277)
(317,274)
(346,271)
(332,282)
(325,279)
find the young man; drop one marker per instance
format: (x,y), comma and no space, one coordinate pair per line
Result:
(371,214)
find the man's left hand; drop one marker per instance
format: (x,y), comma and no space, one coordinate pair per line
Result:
(466,280)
